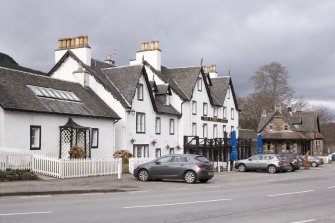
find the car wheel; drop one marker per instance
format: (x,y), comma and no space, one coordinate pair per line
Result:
(203,180)
(190,177)
(314,164)
(272,169)
(242,168)
(292,169)
(143,175)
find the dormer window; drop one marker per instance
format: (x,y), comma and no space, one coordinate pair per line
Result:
(167,100)
(270,127)
(140,92)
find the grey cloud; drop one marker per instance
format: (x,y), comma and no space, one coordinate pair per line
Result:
(237,35)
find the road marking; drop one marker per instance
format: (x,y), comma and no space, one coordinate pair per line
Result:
(331,187)
(304,221)
(299,192)
(90,194)
(140,191)
(212,186)
(174,204)
(184,188)
(41,196)
(26,213)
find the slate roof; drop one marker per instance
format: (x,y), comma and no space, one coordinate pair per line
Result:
(310,122)
(247,134)
(182,80)
(9,62)
(16,95)
(219,88)
(162,108)
(284,135)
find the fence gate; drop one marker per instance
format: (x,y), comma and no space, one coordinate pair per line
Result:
(72,134)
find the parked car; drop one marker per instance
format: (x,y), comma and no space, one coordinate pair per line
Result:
(270,162)
(315,161)
(294,160)
(189,167)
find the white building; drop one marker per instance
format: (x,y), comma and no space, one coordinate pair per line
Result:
(149,123)
(158,106)
(50,116)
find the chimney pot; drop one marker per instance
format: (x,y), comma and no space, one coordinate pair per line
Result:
(152,45)
(146,45)
(142,46)
(85,40)
(156,45)
(72,43)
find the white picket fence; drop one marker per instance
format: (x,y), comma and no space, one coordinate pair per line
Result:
(134,162)
(60,168)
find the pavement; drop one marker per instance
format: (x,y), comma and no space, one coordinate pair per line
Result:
(48,185)
(106,184)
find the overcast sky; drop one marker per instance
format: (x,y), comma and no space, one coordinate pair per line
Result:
(236,35)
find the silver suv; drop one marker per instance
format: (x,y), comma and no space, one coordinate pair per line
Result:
(270,162)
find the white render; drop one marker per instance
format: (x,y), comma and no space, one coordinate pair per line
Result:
(83,53)
(15,132)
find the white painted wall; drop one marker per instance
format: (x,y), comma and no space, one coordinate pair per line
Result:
(84,54)
(153,57)
(17,132)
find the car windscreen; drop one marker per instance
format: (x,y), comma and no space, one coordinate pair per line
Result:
(202,159)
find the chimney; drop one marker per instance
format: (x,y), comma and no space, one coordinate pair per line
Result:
(151,55)
(278,107)
(212,71)
(78,45)
(82,76)
(110,60)
(264,113)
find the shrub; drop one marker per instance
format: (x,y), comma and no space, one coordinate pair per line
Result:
(124,154)
(77,152)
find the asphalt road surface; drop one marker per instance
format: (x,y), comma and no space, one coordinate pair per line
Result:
(299,197)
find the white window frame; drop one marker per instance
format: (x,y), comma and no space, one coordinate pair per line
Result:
(158,125)
(140,92)
(232,111)
(224,112)
(199,84)
(205,130)
(171,126)
(215,131)
(194,107)
(140,122)
(95,138)
(194,129)
(205,109)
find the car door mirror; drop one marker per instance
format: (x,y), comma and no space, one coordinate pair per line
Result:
(250,159)
(158,163)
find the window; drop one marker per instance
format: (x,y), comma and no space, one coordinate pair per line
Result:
(268,145)
(205,130)
(232,113)
(140,122)
(232,129)
(167,100)
(224,129)
(140,92)
(158,125)
(228,93)
(215,112)
(194,129)
(35,137)
(141,151)
(270,127)
(53,93)
(224,112)
(158,152)
(171,127)
(215,131)
(285,127)
(95,138)
(194,107)
(180,159)
(171,151)
(205,109)
(199,84)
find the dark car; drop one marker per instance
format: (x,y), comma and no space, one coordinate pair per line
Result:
(294,160)
(189,167)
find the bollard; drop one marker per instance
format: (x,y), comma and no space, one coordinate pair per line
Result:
(119,169)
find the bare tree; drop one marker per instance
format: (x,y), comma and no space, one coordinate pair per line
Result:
(326,115)
(271,79)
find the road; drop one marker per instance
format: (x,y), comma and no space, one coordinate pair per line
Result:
(299,197)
